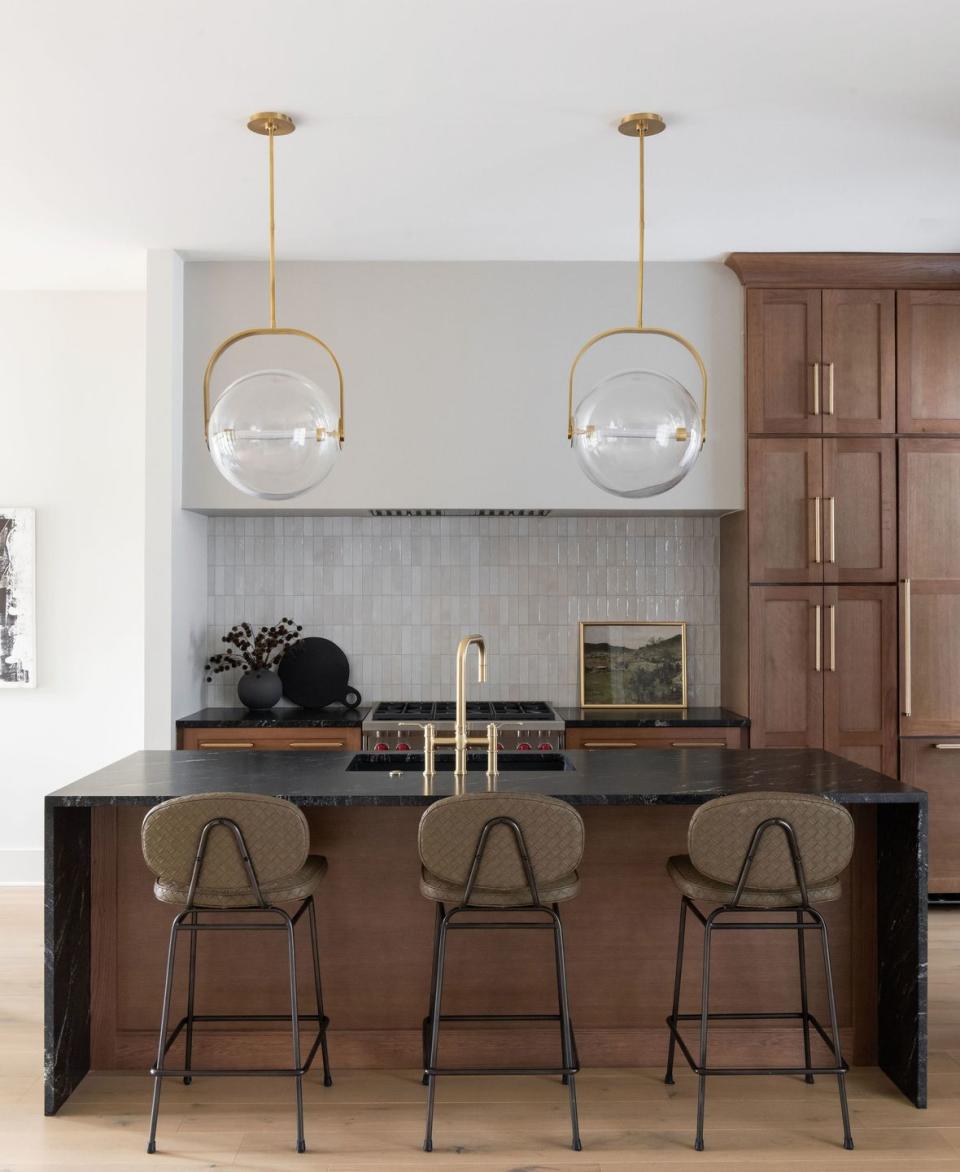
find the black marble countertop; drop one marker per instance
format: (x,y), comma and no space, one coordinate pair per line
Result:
(631,777)
(333,717)
(652,718)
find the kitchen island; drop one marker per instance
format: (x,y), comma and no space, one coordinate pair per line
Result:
(106,935)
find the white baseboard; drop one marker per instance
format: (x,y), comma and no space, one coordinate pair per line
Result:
(21,868)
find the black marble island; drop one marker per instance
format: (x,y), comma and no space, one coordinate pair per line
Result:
(105,934)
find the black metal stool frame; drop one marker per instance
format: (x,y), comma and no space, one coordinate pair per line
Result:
(431,1023)
(704,1017)
(189,921)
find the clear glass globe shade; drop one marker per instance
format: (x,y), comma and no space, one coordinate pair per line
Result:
(626,433)
(273,434)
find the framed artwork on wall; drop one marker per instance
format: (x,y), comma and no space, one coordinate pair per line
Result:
(18,634)
(633,665)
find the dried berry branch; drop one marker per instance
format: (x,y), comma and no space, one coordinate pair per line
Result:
(254,652)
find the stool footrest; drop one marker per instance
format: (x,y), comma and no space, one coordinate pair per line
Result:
(672,1026)
(292,1071)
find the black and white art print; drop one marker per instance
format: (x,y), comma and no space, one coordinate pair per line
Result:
(18,636)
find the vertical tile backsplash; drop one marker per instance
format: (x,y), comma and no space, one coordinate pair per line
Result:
(397,593)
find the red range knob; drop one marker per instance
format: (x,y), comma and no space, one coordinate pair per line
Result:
(380,747)
(403,747)
(500,746)
(544,745)
(524,747)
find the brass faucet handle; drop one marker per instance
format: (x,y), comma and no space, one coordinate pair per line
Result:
(492,751)
(429,742)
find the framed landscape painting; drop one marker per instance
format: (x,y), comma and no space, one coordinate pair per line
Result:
(633,665)
(18,640)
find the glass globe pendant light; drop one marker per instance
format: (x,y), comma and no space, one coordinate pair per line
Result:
(273,433)
(638,432)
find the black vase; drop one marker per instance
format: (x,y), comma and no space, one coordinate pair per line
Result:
(260,689)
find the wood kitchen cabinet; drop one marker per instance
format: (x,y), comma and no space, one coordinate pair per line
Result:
(934,765)
(823,670)
(928,360)
(821,362)
(603,737)
(822,510)
(929,532)
(302,739)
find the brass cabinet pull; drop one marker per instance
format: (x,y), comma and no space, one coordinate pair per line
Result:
(611,745)
(831,503)
(833,637)
(698,744)
(947,745)
(226,744)
(817,637)
(816,388)
(315,744)
(817,537)
(828,409)
(907,651)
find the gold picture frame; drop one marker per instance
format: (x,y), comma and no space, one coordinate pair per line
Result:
(620,675)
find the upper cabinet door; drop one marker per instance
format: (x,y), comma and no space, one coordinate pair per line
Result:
(858,392)
(928,361)
(930,509)
(784,372)
(859,510)
(786,531)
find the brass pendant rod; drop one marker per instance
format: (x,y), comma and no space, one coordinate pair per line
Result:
(271,130)
(641,136)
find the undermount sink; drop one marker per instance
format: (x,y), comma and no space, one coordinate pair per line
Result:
(476,762)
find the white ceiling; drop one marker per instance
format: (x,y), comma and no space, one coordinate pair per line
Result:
(471,129)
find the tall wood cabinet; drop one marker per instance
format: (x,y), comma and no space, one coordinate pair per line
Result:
(843,577)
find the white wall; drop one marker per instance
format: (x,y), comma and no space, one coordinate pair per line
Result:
(176,541)
(456,376)
(72,446)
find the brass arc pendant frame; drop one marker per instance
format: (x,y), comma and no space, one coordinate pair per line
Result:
(271,124)
(641,127)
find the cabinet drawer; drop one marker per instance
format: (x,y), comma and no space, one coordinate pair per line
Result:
(654,738)
(934,765)
(273,739)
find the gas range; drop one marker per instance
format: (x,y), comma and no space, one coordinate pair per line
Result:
(524,725)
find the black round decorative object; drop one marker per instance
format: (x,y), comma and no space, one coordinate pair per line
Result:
(259,689)
(315,673)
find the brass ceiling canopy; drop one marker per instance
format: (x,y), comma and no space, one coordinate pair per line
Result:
(271,122)
(636,124)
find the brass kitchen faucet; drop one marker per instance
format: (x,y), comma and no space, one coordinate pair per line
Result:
(461,740)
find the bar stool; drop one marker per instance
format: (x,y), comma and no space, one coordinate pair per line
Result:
(490,852)
(234,855)
(773,852)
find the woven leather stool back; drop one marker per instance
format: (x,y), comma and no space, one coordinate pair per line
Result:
(275,831)
(720,833)
(451,828)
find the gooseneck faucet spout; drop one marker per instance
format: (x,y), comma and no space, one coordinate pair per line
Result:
(461,739)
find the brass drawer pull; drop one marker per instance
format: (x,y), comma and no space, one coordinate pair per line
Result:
(226,744)
(817,503)
(833,637)
(828,410)
(907,650)
(316,745)
(948,745)
(698,744)
(831,503)
(818,637)
(816,388)
(610,745)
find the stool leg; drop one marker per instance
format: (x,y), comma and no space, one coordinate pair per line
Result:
(161,1046)
(566,1032)
(804,999)
(668,1077)
(834,1030)
(295,1031)
(191,989)
(704,1025)
(428,1020)
(435,1030)
(318,988)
